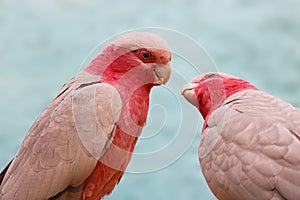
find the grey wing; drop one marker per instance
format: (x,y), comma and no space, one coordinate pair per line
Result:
(61,149)
(252,151)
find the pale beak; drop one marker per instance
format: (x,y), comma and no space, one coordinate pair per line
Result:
(189,94)
(162,73)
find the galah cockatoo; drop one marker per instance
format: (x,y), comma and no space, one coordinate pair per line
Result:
(250,144)
(79,147)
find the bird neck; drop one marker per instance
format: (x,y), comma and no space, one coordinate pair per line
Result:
(139,104)
(98,65)
(112,63)
(213,93)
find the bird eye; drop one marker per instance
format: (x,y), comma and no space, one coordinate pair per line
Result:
(211,75)
(145,56)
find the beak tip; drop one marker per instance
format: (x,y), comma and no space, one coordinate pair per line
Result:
(182,91)
(188,87)
(162,73)
(189,94)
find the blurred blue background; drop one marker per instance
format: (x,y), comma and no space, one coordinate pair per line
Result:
(43,43)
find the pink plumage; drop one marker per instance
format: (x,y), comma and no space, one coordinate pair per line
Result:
(250,141)
(80,146)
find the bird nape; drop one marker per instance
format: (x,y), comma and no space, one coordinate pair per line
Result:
(250,145)
(80,145)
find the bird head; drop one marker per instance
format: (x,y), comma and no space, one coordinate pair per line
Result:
(207,92)
(138,58)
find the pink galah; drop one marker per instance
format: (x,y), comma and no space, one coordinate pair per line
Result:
(80,146)
(250,144)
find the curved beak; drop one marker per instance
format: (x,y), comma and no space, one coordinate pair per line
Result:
(162,73)
(189,94)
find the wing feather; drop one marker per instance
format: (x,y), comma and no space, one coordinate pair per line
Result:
(256,150)
(63,146)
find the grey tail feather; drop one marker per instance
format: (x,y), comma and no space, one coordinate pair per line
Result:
(4,171)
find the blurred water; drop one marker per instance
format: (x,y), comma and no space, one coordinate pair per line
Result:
(42,44)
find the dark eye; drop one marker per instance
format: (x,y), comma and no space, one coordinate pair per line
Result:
(211,75)
(145,56)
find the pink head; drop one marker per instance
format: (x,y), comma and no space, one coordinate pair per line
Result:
(133,63)
(141,57)
(207,92)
